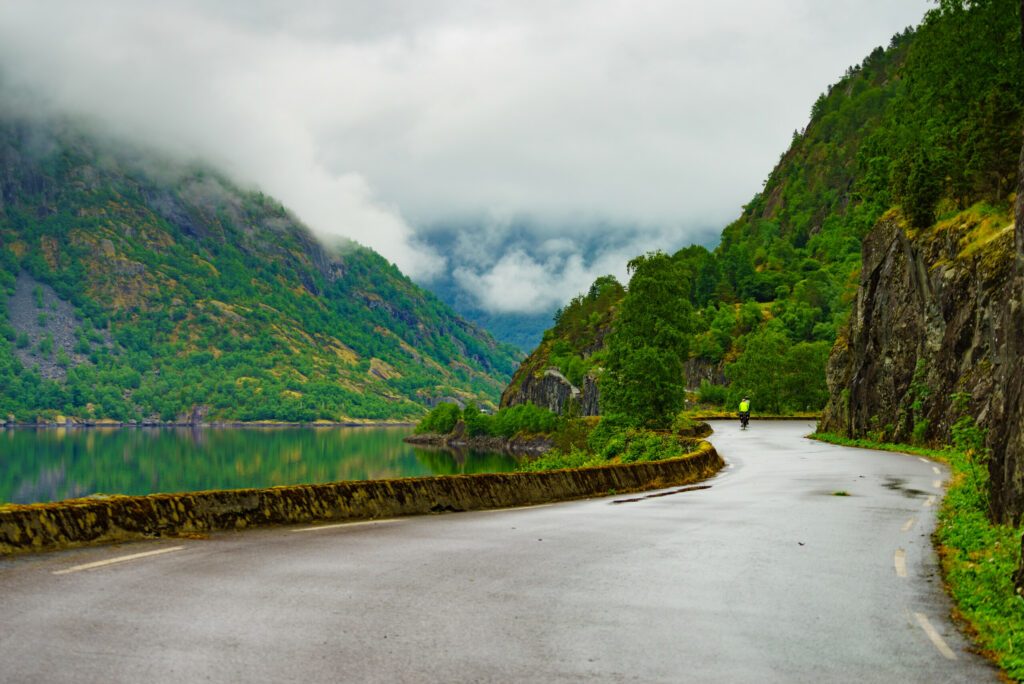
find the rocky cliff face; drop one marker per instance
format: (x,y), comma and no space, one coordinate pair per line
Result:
(701,370)
(1006,433)
(553,391)
(937,313)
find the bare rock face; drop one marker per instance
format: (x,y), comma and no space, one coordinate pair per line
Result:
(937,312)
(590,400)
(1006,431)
(701,370)
(553,391)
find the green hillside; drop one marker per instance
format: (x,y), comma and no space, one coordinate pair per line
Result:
(929,125)
(138,289)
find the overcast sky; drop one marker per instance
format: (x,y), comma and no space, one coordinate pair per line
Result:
(634,124)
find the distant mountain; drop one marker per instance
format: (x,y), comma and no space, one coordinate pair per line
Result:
(137,288)
(521,330)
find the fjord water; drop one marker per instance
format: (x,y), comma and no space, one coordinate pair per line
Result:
(51,464)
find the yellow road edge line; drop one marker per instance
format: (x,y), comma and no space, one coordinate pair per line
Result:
(335,526)
(929,501)
(112,561)
(936,470)
(907,525)
(922,460)
(900,561)
(935,637)
(937,484)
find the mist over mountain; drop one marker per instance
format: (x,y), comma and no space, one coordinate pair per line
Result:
(378,121)
(139,288)
(512,278)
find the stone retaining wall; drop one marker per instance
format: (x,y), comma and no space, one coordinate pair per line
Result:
(76,522)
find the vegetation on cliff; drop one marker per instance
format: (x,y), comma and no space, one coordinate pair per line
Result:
(191,298)
(930,123)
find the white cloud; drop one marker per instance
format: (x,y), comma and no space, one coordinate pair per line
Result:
(375,118)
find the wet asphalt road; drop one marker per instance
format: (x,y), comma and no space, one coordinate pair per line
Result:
(766,576)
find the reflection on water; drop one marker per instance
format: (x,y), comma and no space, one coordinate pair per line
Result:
(57,463)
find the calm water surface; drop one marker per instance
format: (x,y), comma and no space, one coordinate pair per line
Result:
(57,463)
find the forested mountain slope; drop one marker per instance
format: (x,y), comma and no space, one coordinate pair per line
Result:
(136,288)
(930,125)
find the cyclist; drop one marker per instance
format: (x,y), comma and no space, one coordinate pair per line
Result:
(744,412)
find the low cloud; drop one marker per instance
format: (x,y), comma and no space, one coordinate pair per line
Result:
(378,119)
(529,274)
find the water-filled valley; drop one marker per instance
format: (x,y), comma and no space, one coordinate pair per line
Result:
(38,465)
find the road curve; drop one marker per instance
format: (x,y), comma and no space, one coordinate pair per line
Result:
(765,576)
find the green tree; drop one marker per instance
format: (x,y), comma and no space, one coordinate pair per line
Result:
(649,344)
(759,372)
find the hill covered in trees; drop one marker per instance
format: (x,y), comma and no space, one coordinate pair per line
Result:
(135,288)
(928,126)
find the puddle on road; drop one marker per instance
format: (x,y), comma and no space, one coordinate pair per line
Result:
(655,496)
(896,484)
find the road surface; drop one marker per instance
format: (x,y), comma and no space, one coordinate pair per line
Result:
(765,576)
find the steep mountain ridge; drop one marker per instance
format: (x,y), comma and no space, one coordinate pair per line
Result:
(935,339)
(929,124)
(192,297)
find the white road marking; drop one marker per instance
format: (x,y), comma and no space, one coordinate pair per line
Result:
(937,484)
(346,524)
(936,638)
(119,559)
(936,470)
(513,508)
(929,501)
(922,460)
(900,561)
(907,525)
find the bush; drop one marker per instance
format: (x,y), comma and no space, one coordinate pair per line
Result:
(556,459)
(477,424)
(715,395)
(441,420)
(650,446)
(524,418)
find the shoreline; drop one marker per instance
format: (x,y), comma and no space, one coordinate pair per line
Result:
(524,446)
(93,424)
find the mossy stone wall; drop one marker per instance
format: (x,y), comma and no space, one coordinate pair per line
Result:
(75,522)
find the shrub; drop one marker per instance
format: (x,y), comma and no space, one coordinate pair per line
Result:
(477,423)
(441,420)
(527,418)
(715,395)
(556,459)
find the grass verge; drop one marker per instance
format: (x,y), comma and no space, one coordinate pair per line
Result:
(978,557)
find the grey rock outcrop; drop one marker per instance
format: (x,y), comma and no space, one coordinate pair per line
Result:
(1006,429)
(553,391)
(700,370)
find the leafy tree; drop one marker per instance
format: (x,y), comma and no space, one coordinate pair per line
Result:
(650,344)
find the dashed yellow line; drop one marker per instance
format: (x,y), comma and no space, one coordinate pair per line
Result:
(112,561)
(937,484)
(935,637)
(900,561)
(929,502)
(907,525)
(936,470)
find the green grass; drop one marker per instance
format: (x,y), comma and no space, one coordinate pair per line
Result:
(556,460)
(978,557)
